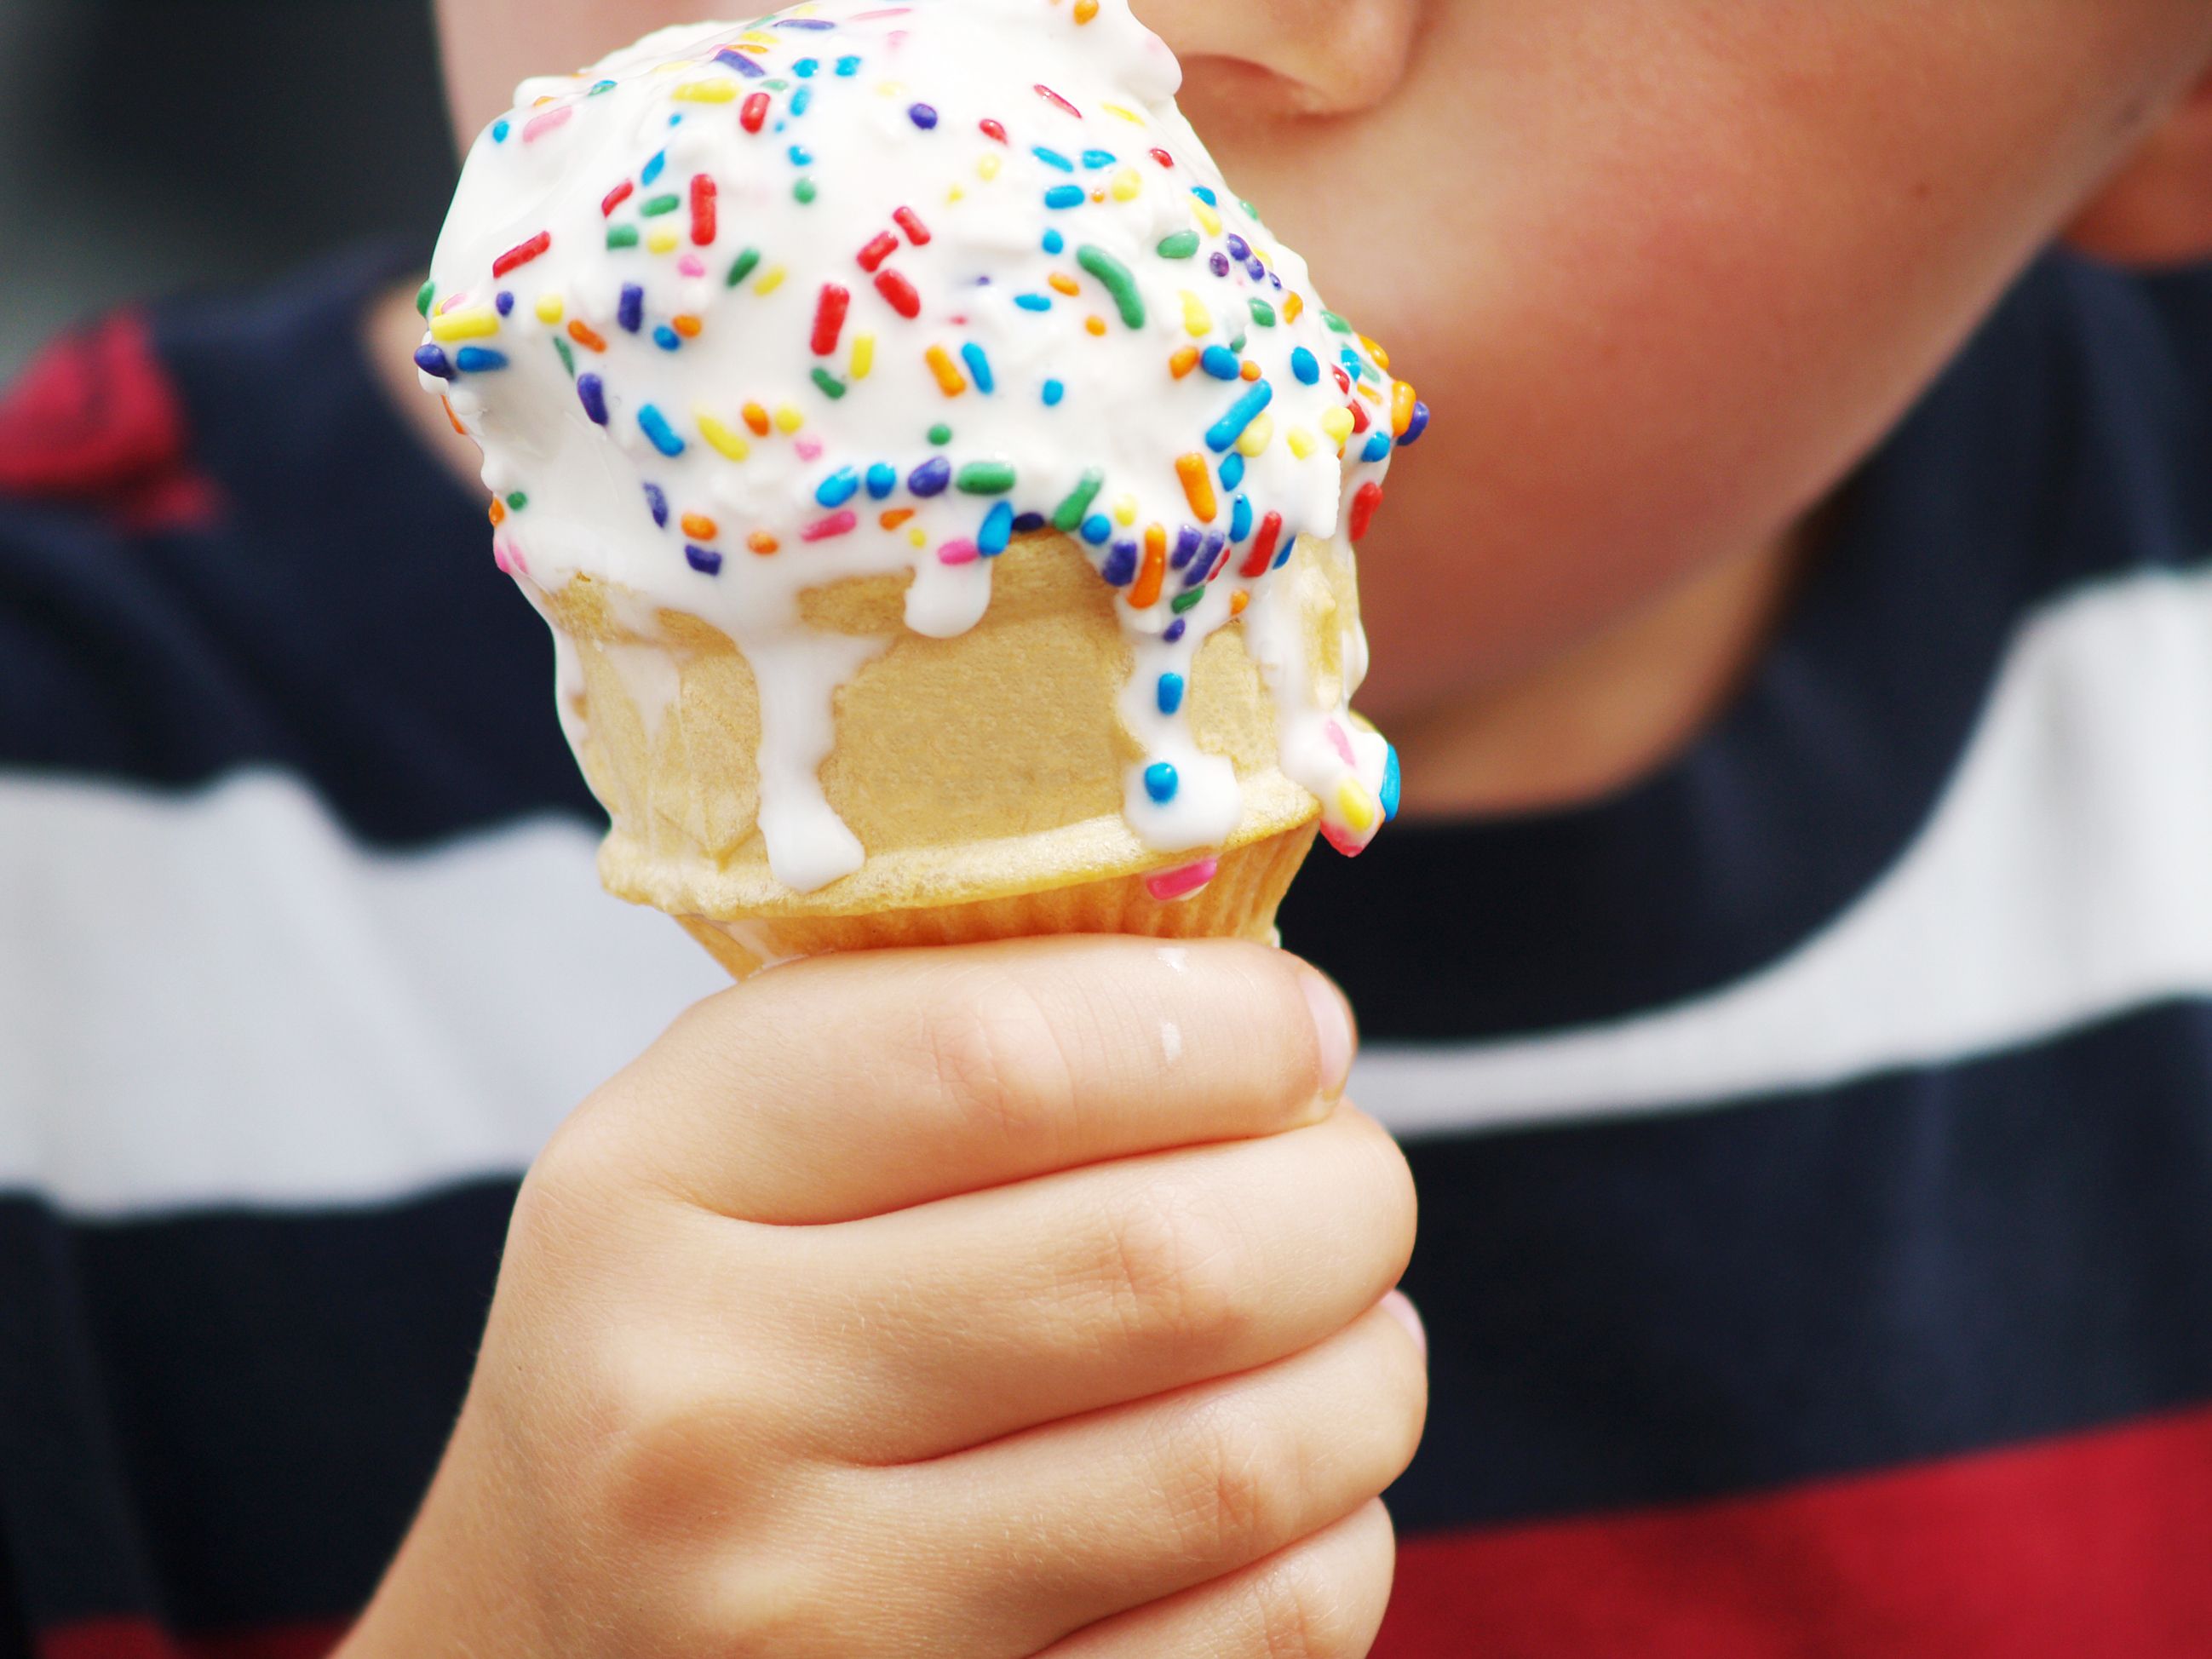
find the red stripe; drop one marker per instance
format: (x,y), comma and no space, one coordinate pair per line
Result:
(140,1639)
(2098,1544)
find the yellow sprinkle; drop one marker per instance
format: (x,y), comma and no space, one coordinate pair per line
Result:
(757,38)
(1301,442)
(470,323)
(662,241)
(771,280)
(1128,115)
(918,536)
(950,380)
(1382,357)
(864,356)
(1125,511)
(1207,216)
(1195,317)
(1370,393)
(707,92)
(549,308)
(788,420)
(890,88)
(673,67)
(1256,435)
(724,440)
(956,194)
(1128,185)
(1337,423)
(1358,806)
(1293,308)
(1095,325)
(987,167)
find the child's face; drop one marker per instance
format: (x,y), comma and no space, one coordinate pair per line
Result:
(1664,268)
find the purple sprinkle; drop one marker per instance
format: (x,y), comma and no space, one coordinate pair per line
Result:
(1217,263)
(1275,279)
(1416,426)
(1214,544)
(659,504)
(1175,630)
(592,393)
(1120,567)
(930,477)
(1255,267)
(704,560)
(1239,247)
(1187,542)
(1029,523)
(631,313)
(922,115)
(505,303)
(431,360)
(804,23)
(739,61)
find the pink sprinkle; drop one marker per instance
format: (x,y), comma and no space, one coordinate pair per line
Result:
(691,265)
(888,11)
(1170,885)
(1341,743)
(837,523)
(1342,840)
(508,557)
(1043,92)
(959,552)
(537,125)
(808,449)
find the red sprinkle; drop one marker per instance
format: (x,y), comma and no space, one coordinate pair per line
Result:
(702,210)
(522,254)
(901,293)
(1359,421)
(1363,508)
(993,129)
(909,221)
(1343,380)
(752,114)
(840,524)
(829,318)
(1163,158)
(1263,546)
(879,250)
(615,198)
(1052,97)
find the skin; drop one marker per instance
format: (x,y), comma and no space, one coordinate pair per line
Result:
(917,1304)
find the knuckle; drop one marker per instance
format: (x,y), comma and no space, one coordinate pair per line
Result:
(998,1062)
(1235,1486)
(1313,1605)
(661,1447)
(1176,1269)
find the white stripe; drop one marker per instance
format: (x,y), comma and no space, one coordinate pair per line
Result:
(2066,876)
(222,999)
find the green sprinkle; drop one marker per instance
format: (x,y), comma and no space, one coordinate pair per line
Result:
(1181,246)
(568,357)
(744,267)
(940,434)
(1263,313)
(660,204)
(1068,515)
(1118,281)
(427,292)
(1337,324)
(985,478)
(621,236)
(804,190)
(1182,602)
(1249,210)
(830,385)
(517,501)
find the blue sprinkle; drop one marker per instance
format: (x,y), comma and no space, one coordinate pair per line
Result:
(1378,445)
(1217,263)
(1055,242)
(1283,553)
(804,23)
(883,478)
(804,68)
(802,100)
(1052,158)
(1095,158)
(1306,367)
(704,560)
(1028,524)
(922,115)
(1389,793)
(499,132)
(592,391)
(1416,426)
(1352,361)
(1187,541)
(1205,194)
(431,360)
(979,365)
(1170,693)
(1160,781)
(659,504)
(1215,541)
(1054,392)
(504,303)
(655,426)
(801,156)
(630,312)
(998,530)
(478,359)
(1175,630)
(1221,361)
(1239,247)
(848,67)
(1065,196)
(1098,529)
(1033,302)
(1223,435)
(930,477)
(1232,471)
(651,169)
(839,487)
(667,338)
(599,87)
(1240,518)
(741,61)
(1120,567)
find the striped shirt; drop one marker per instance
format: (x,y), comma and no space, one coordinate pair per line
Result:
(1815,1139)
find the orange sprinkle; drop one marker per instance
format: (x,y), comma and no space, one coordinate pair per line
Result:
(1382,357)
(1063,283)
(1250,369)
(762,543)
(1401,408)
(1098,195)
(454,418)
(687,326)
(700,529)
(585,336)
(1238,600)
(1146,592)
(1183,361)
(1095,325)
(1198,486)
(895,517)
(950,379)
(1086,10)
(498,511)
(756,419)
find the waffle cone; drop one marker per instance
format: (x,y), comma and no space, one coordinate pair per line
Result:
(983,774)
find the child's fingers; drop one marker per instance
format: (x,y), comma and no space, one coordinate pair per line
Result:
(1323,1597)
(1100,1286)
(850,1086)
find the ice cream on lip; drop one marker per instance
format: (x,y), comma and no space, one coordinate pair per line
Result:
(863,290)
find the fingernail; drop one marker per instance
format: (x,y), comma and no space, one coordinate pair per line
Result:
(1399,1307)
(1332,1026)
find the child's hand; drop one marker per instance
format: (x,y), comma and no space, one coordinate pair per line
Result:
(943,1303)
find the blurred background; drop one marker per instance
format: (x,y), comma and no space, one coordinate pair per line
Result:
(149,145)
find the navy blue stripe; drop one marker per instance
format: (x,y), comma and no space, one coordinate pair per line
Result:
(1648,1310)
